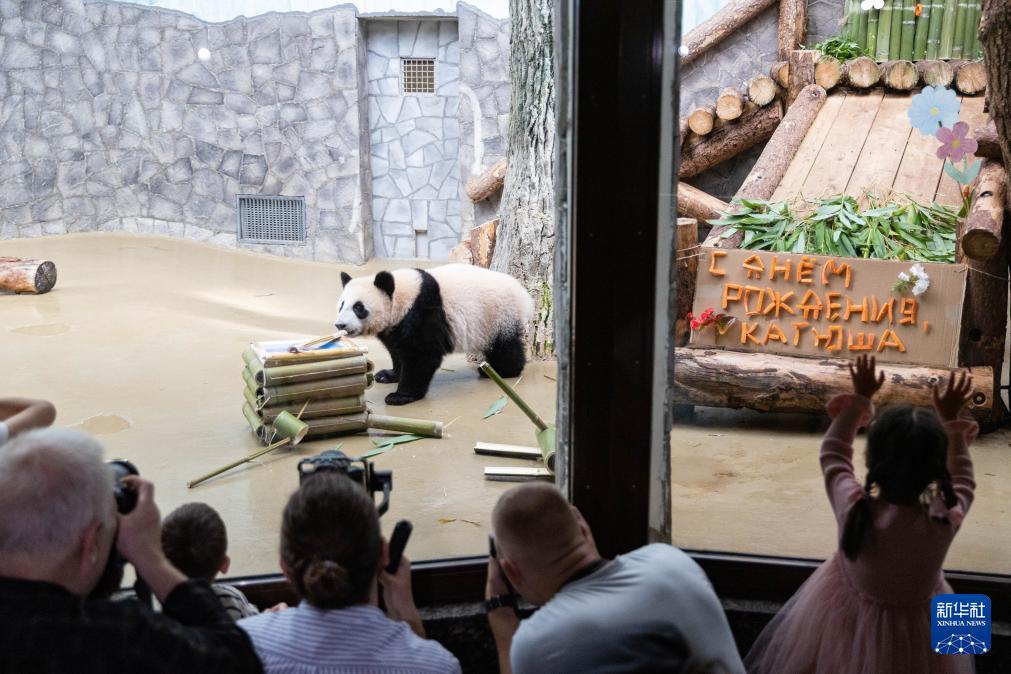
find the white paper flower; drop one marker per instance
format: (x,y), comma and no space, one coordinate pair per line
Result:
(903,276)
(872,4)
(918,271)
(921,286)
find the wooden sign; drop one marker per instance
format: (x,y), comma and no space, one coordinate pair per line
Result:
(817,306)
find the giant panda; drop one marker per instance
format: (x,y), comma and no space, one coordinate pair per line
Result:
(422,315)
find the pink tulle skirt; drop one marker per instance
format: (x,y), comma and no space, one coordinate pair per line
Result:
(828,627)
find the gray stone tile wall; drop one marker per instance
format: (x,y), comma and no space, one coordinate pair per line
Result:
(110,121)
(484,104)
(749,52)
(414,139)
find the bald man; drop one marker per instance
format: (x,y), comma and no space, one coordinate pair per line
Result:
(651,610)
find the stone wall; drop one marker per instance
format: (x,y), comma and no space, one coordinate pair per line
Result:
(484,104)
(109,121)
(743,55)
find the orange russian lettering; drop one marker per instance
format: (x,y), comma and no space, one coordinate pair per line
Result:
(850,307)
(804,269)
(832,340)
(908,310)
(727,299)
(778,302)
(890,339)
(864,341)
(831,267)
(748,291)
(777,269)
(713,257)
(808,309)
(773,332)
(754,266)
(798,327)
(832,305)
(878,313)
(748,331)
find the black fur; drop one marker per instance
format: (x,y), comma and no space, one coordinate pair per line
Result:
(384,281)
(417,344)
(345,277)
(506,354)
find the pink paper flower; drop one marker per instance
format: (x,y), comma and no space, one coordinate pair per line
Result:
(954,143)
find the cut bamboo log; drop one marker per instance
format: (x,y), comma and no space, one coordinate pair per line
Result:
(936,73)
(723,23)
(517,474)
(792,26)
(801,72)
(885,36)
(27,276)
(861,73)
(770,383)
(936,26)
(337,387)
(694,203)
(981,232)
(768,171)
(922,30)
(899,75)
(686,259)
(948,29)
(986,137)
(316,409)
(488,183)
(701,119)
(731,140)
(511,451)
(422,427)
(827,72)
(729,104)
(303,372)
(780,73)
(762,90)
(970,77)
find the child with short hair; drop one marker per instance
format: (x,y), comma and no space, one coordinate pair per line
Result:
(194,539)
(867,609)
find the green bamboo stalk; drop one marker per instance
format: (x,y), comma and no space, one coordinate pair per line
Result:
(860,32)
(871,36)
(254,455)
(922,32)
(337,387)
(255,424)
(422,427)
(908,30)
(342,425)
(317,409)
(973,15)
(509,391)
(947,29)
(293,374)
(287,426)
(249,378)
(250,397)
(848,14)
(885,32)
(961,16)
(934,32)
(249,356)
(895,44)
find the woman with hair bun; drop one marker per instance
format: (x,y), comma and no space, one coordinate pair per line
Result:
(334,556)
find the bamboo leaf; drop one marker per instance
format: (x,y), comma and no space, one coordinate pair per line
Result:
(496,407)
(398,440)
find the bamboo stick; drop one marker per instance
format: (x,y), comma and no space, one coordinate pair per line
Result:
(922,34)
(250,379)
(907,45)
(304,372)
(969,37)
(884,43)
(948,29)
(255,424)
(250,397)
(871,35)
(895,30)
(934,32)
(288,358)
(318,409)
(246,459)
(861,27)
(422,427)
(249,356)
(961,15)
(509,391)
(342,425)
(336,387)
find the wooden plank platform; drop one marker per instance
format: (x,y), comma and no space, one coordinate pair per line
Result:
(863,141)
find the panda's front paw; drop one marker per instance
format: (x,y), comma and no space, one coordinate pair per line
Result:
(387,377)
(401,398)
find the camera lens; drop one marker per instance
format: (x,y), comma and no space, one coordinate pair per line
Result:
(126,498)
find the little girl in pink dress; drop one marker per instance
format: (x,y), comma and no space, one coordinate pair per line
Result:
(867,609)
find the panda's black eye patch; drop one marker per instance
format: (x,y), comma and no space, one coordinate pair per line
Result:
(360,310)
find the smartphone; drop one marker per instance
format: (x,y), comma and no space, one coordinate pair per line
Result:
(398,541)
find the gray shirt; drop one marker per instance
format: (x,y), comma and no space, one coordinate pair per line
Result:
(652,610)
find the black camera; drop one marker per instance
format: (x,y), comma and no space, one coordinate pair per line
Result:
(126,501)
(126,498)
(358,470)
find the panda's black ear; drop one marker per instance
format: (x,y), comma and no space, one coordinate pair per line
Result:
(384,281)
(345,277)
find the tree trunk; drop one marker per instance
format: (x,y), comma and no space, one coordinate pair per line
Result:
(725,22)
(771,166)
(899,75)
(995,34)
(792,26)
(769,383)
(686,260)
(27,276)
(861,73)
(762,90)
(488,183)
(981,233)
(694,203)
(970,77)
(730,140)
(935,73)
(526,235)
(801,72)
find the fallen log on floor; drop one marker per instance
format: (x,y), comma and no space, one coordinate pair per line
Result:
(694,203)
(970,77)
(686,261)
(771,383)
(801,70)
(986,138)
(488,183)
(935,73)
(27,276)
(861,73)
(723,23)
(981,232)
(899,75)
(771,166)
(730,140)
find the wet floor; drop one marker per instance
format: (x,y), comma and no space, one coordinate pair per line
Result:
(140,344)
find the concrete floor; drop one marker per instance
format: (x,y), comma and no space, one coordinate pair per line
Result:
(140,344)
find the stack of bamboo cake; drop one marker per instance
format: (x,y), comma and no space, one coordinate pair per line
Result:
(328,380)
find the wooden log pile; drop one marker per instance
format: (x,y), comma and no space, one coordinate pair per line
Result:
(702,151)
(968,77)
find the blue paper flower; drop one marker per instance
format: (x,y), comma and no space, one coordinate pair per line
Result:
(933,108)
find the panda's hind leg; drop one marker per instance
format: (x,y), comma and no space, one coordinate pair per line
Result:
(506,354)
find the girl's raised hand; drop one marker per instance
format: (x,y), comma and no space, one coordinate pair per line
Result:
(864,382)
(956,394)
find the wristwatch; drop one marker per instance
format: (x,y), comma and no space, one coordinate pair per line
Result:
(500,601)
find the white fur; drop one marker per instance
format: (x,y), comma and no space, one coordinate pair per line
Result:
(480,304)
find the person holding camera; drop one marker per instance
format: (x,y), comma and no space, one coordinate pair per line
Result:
(335,558)
(58,528)
(19,415)
(651,610)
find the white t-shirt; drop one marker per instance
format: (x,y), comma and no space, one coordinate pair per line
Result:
(652,610)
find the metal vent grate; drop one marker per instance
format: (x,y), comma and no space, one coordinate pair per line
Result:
(417,76)
(271,219)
